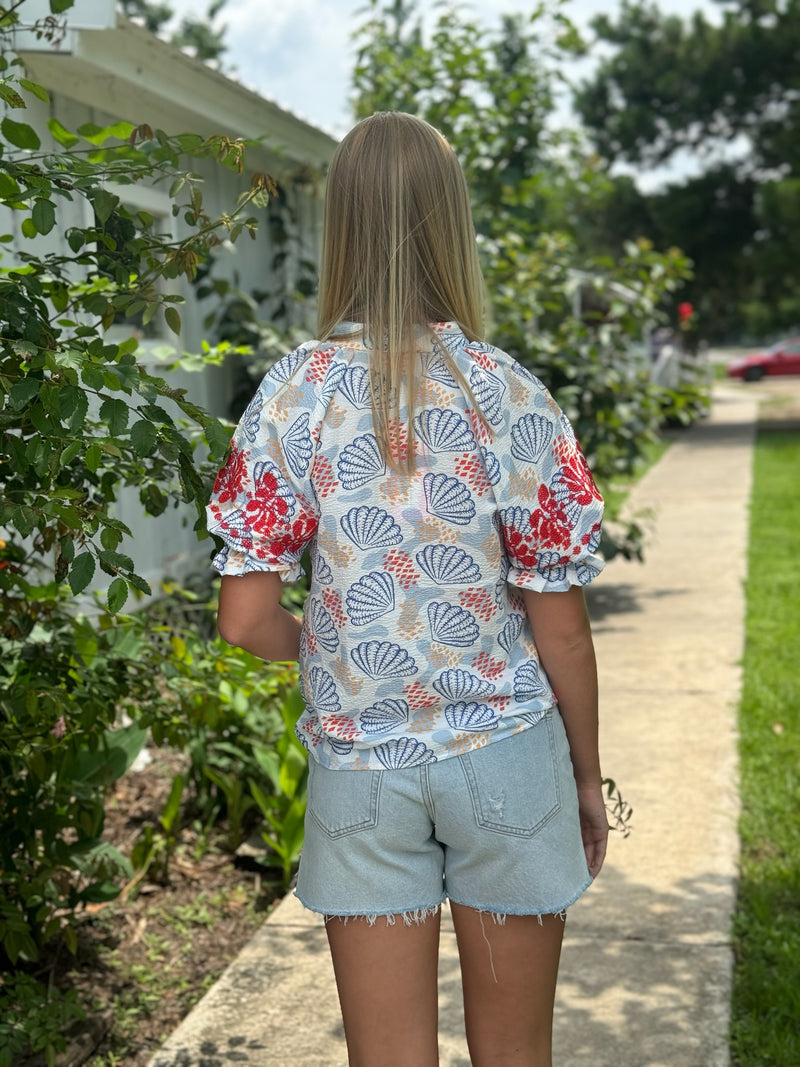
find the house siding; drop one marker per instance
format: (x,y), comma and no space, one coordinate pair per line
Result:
(167,546)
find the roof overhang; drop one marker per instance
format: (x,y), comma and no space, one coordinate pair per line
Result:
(125,71)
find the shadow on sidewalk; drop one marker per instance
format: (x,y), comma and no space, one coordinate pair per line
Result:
(605,600)
(638,978)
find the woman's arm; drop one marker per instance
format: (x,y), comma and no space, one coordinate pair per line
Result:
(563,639)
(250,616)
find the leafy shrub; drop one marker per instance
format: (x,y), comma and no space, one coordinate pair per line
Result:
(33,1018)
(79,420)
(233,714)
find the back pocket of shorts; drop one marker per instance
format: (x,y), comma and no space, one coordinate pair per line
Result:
(343,802)
(514,783)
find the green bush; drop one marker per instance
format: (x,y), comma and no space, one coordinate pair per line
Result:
(33,1019)
(79,420)
(233,714)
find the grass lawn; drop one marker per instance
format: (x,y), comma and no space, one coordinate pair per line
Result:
(765,1029)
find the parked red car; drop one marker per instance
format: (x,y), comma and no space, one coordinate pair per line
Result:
(782,358)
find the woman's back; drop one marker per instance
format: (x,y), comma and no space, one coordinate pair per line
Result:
(415,644)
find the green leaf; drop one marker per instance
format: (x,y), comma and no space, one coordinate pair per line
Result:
(118,750)
(81,572)
(218,437)
(23,391)
(104,204)
(67,398)
(10,95)
(144,437)
(110,538)
(92,376)
(61,134)
(37,90)
(154,500)
(117,595)
(59,295)
(116,560)
(78,416)
(20,134)
(139,583)
(76,240)
(44,216)
(173,805)
(114,414)
(57,7)
(173,319)
(70,452)
(29,228)
(95,134)
(9,189)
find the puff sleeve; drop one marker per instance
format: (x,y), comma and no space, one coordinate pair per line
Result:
(549,508)
(263,505)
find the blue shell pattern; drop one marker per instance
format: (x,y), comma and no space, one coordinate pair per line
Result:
(471,716)
(384,715)
(458,684)
(370,597)
(370,527)
(448,565)
(444,430)
(452,625)
(411,645)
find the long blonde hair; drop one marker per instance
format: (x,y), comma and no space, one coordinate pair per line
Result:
(398,252)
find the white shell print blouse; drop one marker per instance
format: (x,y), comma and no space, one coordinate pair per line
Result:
(415,644)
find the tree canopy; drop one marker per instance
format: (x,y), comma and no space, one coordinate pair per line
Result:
(539,205)
(727,93)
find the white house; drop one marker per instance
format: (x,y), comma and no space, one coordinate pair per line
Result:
(104,68)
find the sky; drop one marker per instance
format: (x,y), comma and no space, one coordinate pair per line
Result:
(299,53)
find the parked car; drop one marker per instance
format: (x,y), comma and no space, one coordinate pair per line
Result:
(782,358)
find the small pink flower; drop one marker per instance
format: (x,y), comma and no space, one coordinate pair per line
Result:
(60,727)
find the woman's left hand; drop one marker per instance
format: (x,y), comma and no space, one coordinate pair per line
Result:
(594,826)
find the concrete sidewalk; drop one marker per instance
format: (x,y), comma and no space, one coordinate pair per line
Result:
(645,977)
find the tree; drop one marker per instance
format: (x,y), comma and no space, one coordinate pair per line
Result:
(672,85)
(492,94)
(154,16)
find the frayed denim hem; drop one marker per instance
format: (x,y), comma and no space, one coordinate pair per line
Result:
(409,916)
(499,915)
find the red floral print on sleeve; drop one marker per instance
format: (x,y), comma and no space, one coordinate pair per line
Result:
(549,522)
(230,479)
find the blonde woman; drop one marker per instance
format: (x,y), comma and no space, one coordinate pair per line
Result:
(445,654)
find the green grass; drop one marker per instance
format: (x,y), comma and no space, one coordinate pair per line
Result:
(765,1027)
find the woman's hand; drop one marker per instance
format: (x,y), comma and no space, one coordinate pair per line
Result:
(594,826)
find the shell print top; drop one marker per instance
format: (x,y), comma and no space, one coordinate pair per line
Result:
(415,643)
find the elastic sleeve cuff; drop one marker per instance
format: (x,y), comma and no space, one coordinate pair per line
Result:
(552,576)
(236,562)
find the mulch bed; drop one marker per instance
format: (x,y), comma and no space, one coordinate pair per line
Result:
(144,960)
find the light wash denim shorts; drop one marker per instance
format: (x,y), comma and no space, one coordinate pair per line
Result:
(495,829)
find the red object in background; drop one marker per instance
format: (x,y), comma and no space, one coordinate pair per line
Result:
(782,358)
(685,312)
